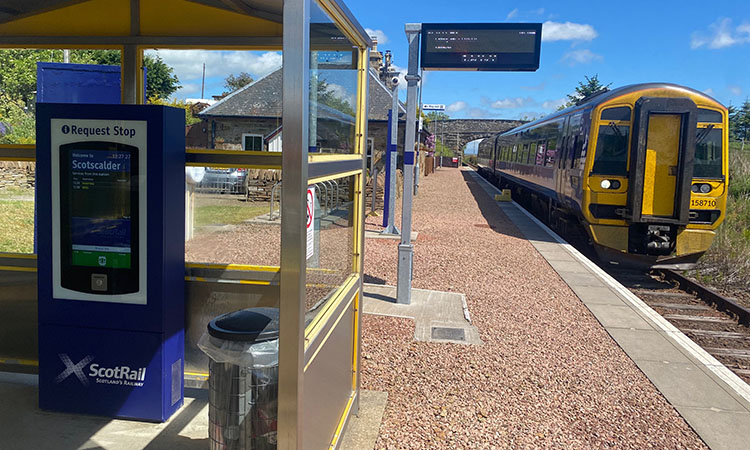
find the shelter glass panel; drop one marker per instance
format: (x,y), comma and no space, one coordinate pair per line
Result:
(233,217)
(331,261)
(333,86)
(17,206)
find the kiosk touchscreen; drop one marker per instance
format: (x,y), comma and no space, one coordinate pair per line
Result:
(99,217)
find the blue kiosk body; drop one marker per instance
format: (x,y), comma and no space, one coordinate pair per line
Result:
(110,183)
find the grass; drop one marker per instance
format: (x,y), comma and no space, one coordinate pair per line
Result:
(727,262)
(228,214)
(17,224)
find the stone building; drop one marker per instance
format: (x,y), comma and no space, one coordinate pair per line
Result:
(250,118)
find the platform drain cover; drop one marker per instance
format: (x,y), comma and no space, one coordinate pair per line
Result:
(447,333)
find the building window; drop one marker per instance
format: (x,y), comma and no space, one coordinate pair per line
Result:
(252,142)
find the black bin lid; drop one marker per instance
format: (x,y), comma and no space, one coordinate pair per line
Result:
(249,325)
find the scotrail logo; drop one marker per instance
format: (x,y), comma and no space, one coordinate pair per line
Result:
(120,375)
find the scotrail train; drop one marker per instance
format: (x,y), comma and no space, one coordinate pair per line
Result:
(642,168)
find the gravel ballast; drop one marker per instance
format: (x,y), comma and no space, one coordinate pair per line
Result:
(547,375)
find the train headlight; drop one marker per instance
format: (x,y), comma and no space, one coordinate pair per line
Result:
(696,188)
(705,188)
(610,184)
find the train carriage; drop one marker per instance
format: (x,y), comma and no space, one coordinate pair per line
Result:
(642,168)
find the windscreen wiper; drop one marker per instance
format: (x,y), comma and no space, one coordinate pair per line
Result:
(703,133)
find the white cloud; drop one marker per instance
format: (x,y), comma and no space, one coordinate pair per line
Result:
(456,106)
(568,31)
(512,14)
(537,87)
(575,57)
(709,91)
(721,34)
(509,103)
(554,104)
(734,89)
(477,113)
(379,34)
(188,64)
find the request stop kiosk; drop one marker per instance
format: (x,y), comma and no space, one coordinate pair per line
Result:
(104,279)
(111,259)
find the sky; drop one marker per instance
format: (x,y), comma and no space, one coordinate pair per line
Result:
(705,46)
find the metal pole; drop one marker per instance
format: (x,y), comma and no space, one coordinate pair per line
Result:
(390,227)
(295,116)
(405,248)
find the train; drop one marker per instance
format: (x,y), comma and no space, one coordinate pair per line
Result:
(643,169)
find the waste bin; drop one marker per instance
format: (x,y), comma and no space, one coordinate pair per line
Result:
(243,379)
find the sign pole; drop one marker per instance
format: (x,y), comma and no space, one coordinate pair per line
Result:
(389,208)
(405,248)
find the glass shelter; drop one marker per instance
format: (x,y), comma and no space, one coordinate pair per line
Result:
(289,234)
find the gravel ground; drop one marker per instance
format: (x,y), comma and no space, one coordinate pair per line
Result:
(548,375)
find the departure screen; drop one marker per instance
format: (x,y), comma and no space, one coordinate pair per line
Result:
(478,46)
(99,207)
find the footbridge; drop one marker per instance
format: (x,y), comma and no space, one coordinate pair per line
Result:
(456,133)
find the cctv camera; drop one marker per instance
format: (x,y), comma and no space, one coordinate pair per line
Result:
(394,80)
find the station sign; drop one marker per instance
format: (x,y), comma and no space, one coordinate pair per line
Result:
(481,46)
(433,107)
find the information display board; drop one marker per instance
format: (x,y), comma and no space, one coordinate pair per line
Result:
(481,46)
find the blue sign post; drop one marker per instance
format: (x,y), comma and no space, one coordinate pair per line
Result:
(110,182)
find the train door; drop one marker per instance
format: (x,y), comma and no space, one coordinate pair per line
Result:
(660,171)
(661,168)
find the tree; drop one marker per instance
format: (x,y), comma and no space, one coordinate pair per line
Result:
(742,122)
(330,98)
(436,116)
(232,82)
(161,82)
(583,90)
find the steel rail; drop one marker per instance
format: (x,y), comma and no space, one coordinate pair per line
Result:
(722,303)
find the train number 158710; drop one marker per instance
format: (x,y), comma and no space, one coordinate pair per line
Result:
(703,203)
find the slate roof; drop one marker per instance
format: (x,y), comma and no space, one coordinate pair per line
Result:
(262,98)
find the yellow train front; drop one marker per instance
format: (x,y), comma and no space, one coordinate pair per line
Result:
(642,168)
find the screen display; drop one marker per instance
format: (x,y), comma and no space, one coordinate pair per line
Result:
(99,190)
(467,46)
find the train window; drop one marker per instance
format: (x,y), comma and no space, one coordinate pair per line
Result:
(707,115)
(539,161)
(619,113)
(707,153)
(524,154)
(515,153)
(549,159)
(532,152)
(611,156)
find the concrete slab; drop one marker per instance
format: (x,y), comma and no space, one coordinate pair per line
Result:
(361,432)
(719,429)
(581,279)
(597,295)
(687,385)
(427,308)
(647,345)
(25,426)
(612,316)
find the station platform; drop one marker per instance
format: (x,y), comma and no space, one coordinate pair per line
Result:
(513,339)
(568,357)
